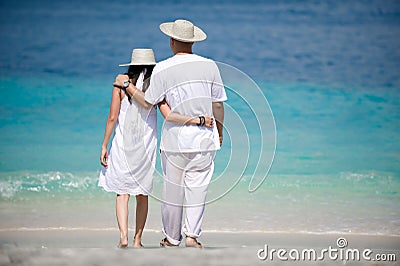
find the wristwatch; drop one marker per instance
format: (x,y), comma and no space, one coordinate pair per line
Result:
(126,84)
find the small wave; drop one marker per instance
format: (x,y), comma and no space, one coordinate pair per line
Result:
(16,184)
(22,185)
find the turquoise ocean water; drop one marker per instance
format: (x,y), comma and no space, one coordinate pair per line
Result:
(329,70)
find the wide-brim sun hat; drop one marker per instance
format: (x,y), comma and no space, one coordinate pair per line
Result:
(141,57)
(183,30)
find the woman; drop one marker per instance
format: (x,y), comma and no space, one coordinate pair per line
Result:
(129,165)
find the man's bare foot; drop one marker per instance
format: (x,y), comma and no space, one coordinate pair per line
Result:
(123,242)
(191,242)
(165,243)
(137,243)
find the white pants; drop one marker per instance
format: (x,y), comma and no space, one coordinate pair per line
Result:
(186,180)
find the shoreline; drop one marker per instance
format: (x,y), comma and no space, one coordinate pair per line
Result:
(114,229)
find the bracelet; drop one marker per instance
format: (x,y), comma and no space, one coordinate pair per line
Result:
(133,94)
(202,121)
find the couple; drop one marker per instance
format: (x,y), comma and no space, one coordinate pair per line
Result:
(189,93)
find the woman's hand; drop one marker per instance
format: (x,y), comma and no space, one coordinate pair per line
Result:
(119,80)
(104,157)
(208,121)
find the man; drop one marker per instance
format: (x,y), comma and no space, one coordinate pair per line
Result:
(192,86)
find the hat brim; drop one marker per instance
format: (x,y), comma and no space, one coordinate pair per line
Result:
(138,64)
(199,35)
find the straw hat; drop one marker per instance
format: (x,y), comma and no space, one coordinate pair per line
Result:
(183,30)
(141,57)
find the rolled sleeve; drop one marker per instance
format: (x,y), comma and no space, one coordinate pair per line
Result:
(218,93)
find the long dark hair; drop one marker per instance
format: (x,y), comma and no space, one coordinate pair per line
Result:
(134,73)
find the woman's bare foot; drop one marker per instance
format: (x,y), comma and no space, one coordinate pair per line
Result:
(123,242)
(191,242)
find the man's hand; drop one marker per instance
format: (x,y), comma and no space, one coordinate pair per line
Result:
(119,80)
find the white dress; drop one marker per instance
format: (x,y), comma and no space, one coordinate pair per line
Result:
(132,155)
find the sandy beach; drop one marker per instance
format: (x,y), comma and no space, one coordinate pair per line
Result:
(98,247)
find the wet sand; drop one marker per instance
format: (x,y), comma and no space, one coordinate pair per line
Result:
(98,247)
